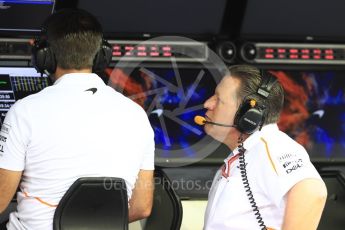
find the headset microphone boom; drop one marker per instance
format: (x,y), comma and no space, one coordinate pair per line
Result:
(200,120)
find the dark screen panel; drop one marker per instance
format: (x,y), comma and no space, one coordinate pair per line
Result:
(294,19)
(24,15)
(128,17)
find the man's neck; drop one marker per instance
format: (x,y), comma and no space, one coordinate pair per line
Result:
(60,72)
(233,141)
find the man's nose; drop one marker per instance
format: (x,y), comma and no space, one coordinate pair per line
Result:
(208,104)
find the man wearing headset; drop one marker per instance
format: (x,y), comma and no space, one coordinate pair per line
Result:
(268,181)
(78,127)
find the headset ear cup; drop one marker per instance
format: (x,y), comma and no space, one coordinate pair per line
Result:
(50,63)
(250,121)
(43,58)
(102,57)
(248,117)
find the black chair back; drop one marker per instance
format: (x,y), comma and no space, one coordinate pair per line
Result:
(93,203)
(167,208)
(333,216)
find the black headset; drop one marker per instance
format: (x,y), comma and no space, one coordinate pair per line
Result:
(251,115)
(43,58)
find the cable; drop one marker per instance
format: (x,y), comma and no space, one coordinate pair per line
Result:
(247,188)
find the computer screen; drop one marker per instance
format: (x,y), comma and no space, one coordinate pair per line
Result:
(314,20)
(169,17)
(171,97)
(24,16)
(313,114)
(314,111)
(17,83)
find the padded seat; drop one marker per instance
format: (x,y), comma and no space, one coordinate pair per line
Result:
(333,216)
(167,207)
(93,203)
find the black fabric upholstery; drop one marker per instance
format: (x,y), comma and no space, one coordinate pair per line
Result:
(167,208)
(333,216)
(3,226)
(98,203)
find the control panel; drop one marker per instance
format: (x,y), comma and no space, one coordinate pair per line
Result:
(280,53)
(153,50)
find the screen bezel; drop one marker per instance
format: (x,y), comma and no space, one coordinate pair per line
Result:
(310,32)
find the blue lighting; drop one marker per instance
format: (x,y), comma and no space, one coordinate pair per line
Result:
(28,2)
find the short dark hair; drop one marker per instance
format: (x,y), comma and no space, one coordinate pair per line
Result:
(75,36)
(251,78)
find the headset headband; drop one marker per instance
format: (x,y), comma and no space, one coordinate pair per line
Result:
(266,84)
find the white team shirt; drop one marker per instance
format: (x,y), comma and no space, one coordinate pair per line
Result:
(274,163)
(79,127)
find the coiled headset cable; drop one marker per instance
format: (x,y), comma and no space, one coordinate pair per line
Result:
(249,193)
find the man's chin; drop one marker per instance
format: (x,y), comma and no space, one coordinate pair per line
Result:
(208,131)
(216,137)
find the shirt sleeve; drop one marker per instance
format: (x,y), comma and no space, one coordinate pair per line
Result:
(286,169)
(14,137)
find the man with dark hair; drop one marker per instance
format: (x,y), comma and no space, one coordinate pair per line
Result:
(78,127)
(268,181)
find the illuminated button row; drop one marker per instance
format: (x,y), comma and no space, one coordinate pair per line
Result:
(300,53)
(159,50)
(293,53)
(120,50)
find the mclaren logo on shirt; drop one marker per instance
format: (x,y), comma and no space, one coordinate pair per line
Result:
(93,90)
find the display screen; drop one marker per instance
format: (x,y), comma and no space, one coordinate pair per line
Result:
(171,97)
(315,20)
(313,115)
(24,15)
(17,83)
(128,17)
(314,111)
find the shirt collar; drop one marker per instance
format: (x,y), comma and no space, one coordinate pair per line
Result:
(255,137)
(78,78)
